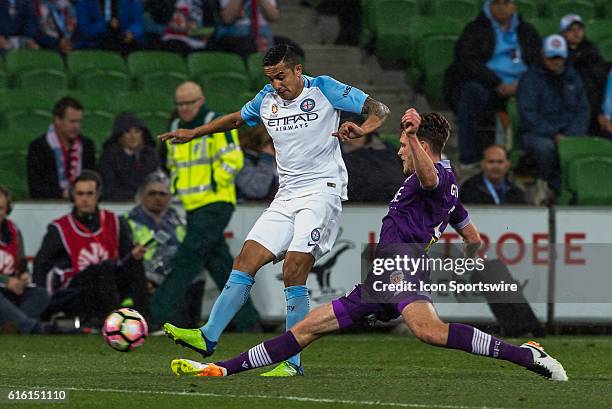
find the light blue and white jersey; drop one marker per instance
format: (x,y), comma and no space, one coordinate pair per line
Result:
(308,158)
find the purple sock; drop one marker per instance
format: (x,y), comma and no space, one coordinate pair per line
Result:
(270,352)
(474,341)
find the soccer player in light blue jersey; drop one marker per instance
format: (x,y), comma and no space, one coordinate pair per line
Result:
(302,115)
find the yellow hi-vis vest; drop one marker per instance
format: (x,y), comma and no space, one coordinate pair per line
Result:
(203,170)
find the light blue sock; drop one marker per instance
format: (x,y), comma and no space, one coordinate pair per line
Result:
(297,309)
(232,298)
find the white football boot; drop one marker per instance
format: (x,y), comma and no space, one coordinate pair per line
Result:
(544,364)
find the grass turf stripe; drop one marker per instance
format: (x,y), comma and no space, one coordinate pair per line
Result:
(248,396)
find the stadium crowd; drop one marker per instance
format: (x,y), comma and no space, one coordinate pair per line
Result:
(561,85)
(558,83)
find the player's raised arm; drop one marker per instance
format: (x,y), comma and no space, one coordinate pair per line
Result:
(423,164)
(221,124)
(376,113)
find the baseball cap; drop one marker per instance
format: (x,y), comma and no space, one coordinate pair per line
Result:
(568,20)
(555,46)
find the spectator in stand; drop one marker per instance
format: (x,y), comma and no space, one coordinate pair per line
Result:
(114,25)
(605,118)
(368,159)
(190,26)
(87,260)
(584,56)
(21,303)
(17,25)
(159,228)
(56,25)
(491,55)
(157,13)
(57,157)
(350,19)
(244,27)
(492,185)
(258,179)
(553,104)
(128,156)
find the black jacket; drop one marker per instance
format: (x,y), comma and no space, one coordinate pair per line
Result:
(474,191)
(593,70)
(552,103)
(122,173)
(474,49)
(43,182)
(375,173)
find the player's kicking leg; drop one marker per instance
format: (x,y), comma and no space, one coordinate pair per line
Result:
(317,323)
(235,293)
(423,321)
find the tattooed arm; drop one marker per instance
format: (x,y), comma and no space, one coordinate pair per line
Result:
(376,113)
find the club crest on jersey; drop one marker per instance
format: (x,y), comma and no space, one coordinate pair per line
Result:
(274,108)
(307,105)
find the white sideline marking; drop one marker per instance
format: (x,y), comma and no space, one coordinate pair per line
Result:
(289,398)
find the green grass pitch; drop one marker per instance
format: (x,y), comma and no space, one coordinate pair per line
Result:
(349,371)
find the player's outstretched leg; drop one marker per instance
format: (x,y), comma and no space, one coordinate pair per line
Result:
(319,322)
(235,293)
(423,321)
(232,298)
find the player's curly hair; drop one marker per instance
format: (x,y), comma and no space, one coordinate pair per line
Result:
(435,130)
(281,52)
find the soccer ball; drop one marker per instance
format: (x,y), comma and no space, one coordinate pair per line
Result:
(125,329)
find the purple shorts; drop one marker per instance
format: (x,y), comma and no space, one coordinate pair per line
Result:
(351,311)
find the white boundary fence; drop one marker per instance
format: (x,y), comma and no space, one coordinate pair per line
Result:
(360,225)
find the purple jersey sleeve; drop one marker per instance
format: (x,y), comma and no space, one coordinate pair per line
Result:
(444,178)
(459,217)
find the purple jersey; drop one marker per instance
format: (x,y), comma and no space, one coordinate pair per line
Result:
(418,215)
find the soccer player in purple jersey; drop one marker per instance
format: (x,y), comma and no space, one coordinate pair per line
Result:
(420,211)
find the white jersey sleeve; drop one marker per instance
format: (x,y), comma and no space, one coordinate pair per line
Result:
(341,96)
(250,112)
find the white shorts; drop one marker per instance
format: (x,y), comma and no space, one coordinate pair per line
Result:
(307,224)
